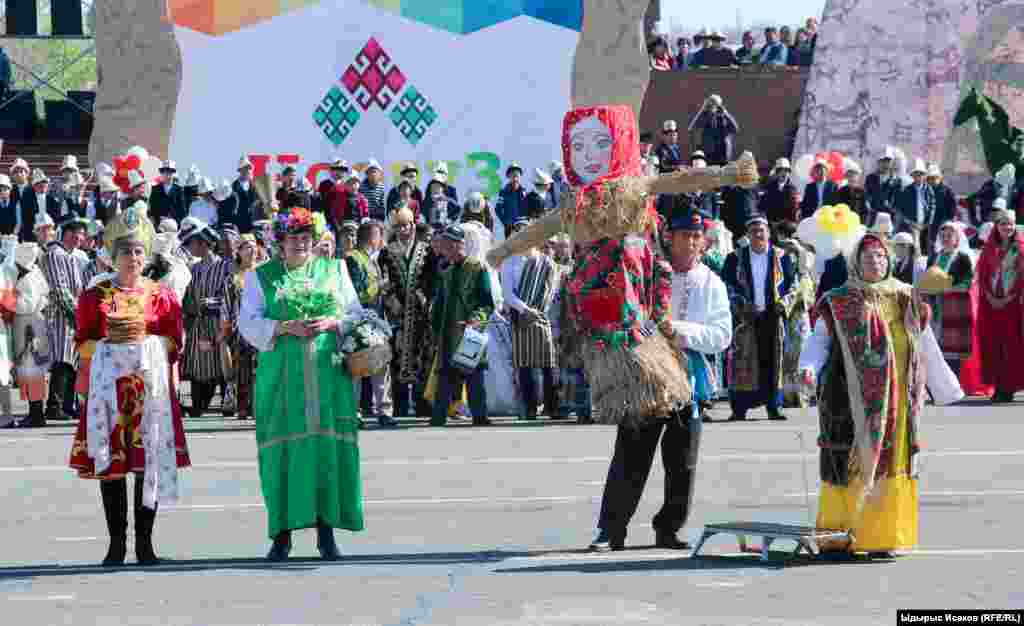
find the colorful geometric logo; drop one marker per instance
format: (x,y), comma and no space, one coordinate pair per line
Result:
(218,17)
(373,79)
(336,116)
(413,116)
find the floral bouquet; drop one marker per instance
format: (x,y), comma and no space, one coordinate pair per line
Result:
(365,343)
(306,301)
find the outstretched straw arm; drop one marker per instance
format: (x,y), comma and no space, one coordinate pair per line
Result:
(740,173)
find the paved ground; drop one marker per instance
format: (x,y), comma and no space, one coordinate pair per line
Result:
(485,527)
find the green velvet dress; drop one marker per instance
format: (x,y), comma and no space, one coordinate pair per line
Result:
(306,424)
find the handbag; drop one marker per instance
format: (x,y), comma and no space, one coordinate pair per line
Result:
(470,351)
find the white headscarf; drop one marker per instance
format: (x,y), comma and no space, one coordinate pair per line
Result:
(962,244)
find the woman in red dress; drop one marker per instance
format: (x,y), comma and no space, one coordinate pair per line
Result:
(129,332)
(1001,309)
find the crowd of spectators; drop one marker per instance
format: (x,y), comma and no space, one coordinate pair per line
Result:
(781,47)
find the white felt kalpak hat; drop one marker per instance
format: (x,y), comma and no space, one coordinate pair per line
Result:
(669,125)
(70,163)
(244,162)
(39,176)
(919,167)
(19,163)
(5,181)
(883,224)
(107,185)
(25,254)
(223,192)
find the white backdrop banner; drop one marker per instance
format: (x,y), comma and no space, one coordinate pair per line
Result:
(348,79)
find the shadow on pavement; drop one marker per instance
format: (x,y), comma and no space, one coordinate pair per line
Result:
(260,564)
(779,560)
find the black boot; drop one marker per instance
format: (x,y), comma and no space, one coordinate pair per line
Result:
(325,542)
(115,507)
(144,519)
(282,547)
(36,418)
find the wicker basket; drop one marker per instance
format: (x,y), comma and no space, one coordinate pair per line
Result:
(369,362)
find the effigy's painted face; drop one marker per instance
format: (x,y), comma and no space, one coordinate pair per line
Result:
(591,149)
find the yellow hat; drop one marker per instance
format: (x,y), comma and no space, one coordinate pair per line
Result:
(935,281)
(132,224)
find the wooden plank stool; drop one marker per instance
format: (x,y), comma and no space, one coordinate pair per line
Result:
(807,538)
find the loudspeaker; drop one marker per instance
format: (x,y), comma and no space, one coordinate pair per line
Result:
(66,16)
(18,119)
(22,17)
(61,119)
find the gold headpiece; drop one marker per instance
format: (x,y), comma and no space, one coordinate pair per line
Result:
(131,224)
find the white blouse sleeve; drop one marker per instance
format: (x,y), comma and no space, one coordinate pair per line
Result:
(816,348)
(940,379)
(257,329)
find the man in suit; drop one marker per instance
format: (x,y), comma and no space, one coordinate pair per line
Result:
(8,215)
(168,198)
(945,203)
(34,200)
(779,194)
(670,155)
(106,205)
(819,192)
(915,206)
(250,208)
(761,280)
(883,185)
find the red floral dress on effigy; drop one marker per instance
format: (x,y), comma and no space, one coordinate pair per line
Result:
(162,314)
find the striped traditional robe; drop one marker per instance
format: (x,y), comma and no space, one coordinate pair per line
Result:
(63,273)
(209,280)
(533,344)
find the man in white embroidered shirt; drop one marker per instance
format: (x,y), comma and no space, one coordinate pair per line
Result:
(701,326)
(761,281)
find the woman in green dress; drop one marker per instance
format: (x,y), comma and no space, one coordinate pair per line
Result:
(293,311)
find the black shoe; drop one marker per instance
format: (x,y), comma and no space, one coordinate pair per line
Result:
(481,421)
(706,418)
(386,421)
(282,547)
(144,554)
(836,556)
(881,555)
(607,542)
(438,421)
(117,552)
(144,520)
(584,419)
(776,415)
(737,418)
(326,544)
(669,541)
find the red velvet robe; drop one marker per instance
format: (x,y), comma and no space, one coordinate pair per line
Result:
(164,319)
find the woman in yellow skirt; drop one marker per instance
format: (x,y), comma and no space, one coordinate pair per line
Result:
(873,353)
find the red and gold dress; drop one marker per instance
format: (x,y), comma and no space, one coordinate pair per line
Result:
(159,308)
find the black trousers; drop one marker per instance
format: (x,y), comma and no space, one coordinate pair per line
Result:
(62,390)
(631,465)
(530,394)
(448,380)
